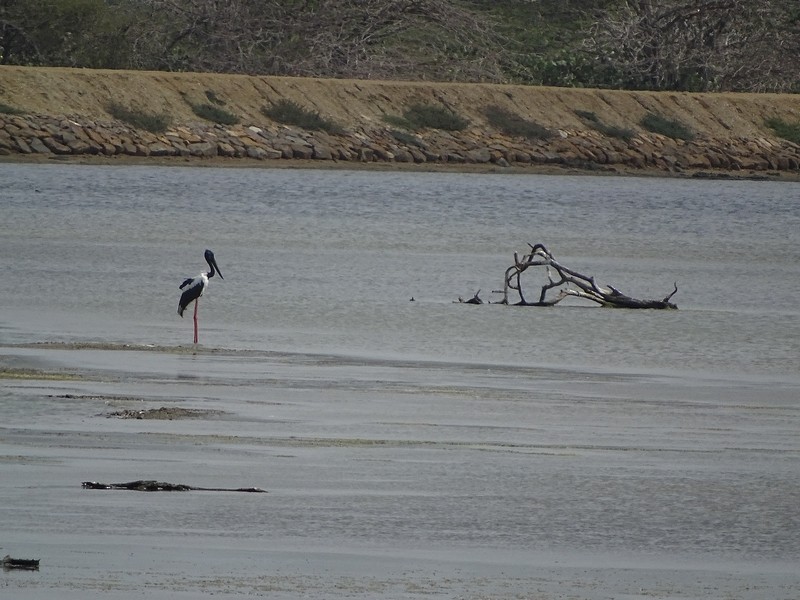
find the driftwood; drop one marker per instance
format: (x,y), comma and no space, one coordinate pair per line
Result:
(569,283)
(474,300)
(28,564)
(150,485)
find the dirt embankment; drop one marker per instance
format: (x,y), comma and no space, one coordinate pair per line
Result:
(64,113)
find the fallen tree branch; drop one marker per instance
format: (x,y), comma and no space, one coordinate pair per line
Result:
(150,485)
(569,283)
(27,564)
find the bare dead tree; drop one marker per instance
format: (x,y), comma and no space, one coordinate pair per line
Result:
(700,45)
(569,282)
(326,38)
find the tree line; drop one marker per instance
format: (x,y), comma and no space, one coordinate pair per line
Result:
(681,45)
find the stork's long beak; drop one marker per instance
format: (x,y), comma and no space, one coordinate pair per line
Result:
(213,262)
(216,267)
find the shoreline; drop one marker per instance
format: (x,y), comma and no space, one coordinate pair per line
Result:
(65,114)
(476,169)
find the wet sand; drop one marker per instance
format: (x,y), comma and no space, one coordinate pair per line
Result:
(387,479)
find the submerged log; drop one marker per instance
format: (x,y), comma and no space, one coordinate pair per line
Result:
(474,300)
(151,485)
(28,564)
(569,282)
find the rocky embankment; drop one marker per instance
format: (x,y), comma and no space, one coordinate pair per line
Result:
(71,121)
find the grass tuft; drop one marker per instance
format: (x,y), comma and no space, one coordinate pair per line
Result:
(292,113)
(401,122)
(512,124)
(594,122)
(214,99)
(785,130)
(427,116)
(5,109)
(668,127)
(139,119)
(215,114)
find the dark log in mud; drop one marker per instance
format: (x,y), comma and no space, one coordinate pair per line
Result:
(474,300)
(151,485)
(569,283)
(27,564)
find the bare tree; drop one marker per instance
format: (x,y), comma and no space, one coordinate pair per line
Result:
(699,44)
(323,38)
(568,283)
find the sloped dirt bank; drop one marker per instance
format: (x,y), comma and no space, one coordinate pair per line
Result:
(64,114)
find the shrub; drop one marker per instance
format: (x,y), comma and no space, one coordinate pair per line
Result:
(292,113)
(787,131)
(610,130)
(513,124)
(426,116)
(139,119)
(397,121)
(214,114)
(10,110)
(668,127)
(587,115)
(214,99)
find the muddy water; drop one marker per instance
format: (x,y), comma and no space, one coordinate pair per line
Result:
(409,449)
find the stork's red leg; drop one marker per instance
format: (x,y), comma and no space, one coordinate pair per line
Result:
(196,302)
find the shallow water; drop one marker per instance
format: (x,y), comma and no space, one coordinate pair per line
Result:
(409,448)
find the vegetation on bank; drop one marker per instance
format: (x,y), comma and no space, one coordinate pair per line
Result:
(784,129)
(293,113)
(689,45)
(138,118)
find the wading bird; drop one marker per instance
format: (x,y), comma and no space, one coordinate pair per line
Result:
(195,286)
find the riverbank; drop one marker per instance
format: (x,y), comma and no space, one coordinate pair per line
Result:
(63,114)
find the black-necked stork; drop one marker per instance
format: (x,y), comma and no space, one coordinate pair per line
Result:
(195,286)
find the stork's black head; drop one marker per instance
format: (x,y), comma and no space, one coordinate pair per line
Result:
(212,262)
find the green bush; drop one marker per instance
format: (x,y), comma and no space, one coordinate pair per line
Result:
(668,127)
(787,131)
(397,121)
(292,113)
(594,122)
(139,119)
(214,99)
(587,115)
(215,114)
(10,110)
(513,124)
(426,116)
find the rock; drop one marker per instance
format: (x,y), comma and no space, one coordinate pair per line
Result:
(344,154)
(382,153)
(480,156)
(202,149)
(39,146)
(225,149)
(302,151)
(256,152)
(321,152)
(78,146)
(160,149)
(23,146)
(419,157)
(403,156)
